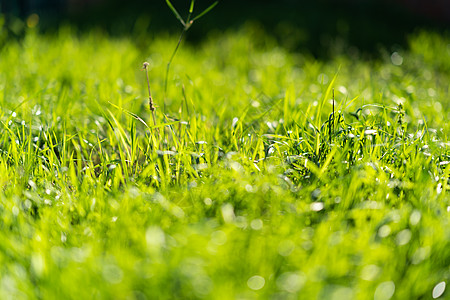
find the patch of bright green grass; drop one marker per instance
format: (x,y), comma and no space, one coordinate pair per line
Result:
(249,186)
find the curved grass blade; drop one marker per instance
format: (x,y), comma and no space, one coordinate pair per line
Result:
(165,124)
(131,114)
(175,12)
(191,9)
(205,11)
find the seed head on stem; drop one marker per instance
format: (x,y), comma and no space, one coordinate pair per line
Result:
(150,99)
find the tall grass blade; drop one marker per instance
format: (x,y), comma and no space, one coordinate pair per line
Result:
(175,12)
(205,11)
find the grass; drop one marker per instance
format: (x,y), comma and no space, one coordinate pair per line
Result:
(248,186)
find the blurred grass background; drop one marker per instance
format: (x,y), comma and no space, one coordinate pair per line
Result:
(316,27)
(252,196)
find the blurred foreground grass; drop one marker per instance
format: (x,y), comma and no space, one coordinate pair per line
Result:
(250,187)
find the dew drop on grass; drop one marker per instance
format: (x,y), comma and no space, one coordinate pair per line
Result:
(317,206)
(370,272)
(291,282)
(38,263)
(420,255)
(415,217)
(384,231)
(256,282)
(128,89)
(370,132)
(396,59)
(28,204)
(403,237)
(384,291)
(207,201)
(256,224)
(343,90)
(432,93)
(335,238)
(322,78)
(233,124)
(228,213)
(155,237)
(439,289)
(219,237)
(236,166)
(439,188)
(241,222)
(307,245)
(63,237)
(395,216)
(32,184)
(339,292)
(8,285)
(202,285)
(286,247)
(192,184)
(410,89)
(249,188)
(255,104)
(112,274)
(15,211)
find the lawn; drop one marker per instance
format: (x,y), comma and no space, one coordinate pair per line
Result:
(253,183)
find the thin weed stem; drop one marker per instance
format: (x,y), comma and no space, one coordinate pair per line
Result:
(170,62)
(333,113)
(186,25)
(151,104)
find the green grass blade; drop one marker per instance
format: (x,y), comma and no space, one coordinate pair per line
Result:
(191,8)
(205,11)
(175,12)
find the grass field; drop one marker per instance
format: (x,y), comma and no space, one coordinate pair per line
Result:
(249,186)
